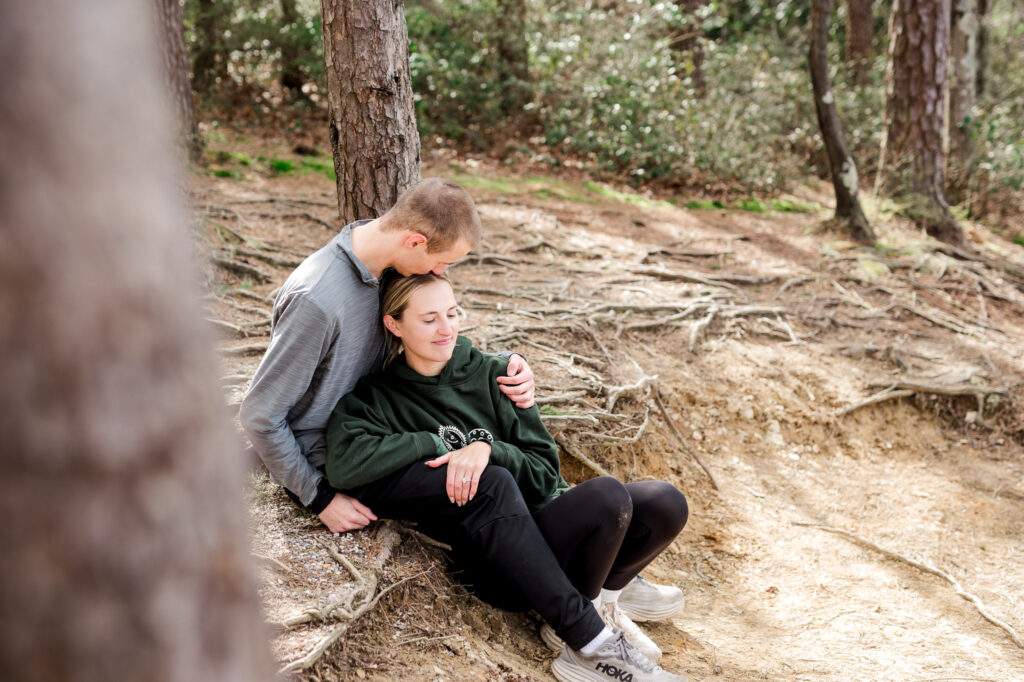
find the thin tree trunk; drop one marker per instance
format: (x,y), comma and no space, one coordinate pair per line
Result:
(860,28)
(210,61)
(124,538)
(171,34)
(685,43)
(514,56)
(911,162)
(291,75)
(963,80)
(844,171)
(369,93)
(981,60)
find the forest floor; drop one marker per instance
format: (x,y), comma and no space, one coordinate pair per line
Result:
(758,330)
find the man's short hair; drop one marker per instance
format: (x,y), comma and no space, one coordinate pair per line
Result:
(440,209)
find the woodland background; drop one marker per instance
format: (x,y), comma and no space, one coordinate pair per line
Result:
(771,252)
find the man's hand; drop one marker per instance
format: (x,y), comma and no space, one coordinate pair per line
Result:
(346,513)
(464,468)
(518,385)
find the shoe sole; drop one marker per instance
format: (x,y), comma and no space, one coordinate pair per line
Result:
(564,671)
(643,615)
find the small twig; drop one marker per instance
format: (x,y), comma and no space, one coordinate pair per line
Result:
(927,569)
(247,349)
(241,268)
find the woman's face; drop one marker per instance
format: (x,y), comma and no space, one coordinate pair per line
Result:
(428,327)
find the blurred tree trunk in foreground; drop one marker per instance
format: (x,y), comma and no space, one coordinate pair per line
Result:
(963,45)
(685,43)
(911,162)
(982,48)
(124,541)
(369,93)
(844,171)
(171,34)
(860,28)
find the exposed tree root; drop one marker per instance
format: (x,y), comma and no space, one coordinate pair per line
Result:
(927,569)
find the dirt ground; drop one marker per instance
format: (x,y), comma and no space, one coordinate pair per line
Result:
(757,329)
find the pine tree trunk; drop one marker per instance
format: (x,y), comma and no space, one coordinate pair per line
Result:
(860,28)
(171,32)
(911,163)
(844,171)
(369,93)
(124,538)
(962,82)
(981,59)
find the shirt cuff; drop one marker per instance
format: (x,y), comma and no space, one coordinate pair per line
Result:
(324,494)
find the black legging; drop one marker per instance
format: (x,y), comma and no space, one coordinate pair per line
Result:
(602,532)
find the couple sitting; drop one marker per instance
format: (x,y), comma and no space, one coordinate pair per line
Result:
(432,439)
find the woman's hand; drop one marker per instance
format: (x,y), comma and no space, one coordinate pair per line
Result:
(518,384)
(464,468)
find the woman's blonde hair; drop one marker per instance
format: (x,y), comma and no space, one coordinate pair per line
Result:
(396,299)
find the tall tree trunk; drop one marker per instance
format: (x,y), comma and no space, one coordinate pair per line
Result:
(514,57)
(369,93)
(844,171)
(291,75)
(124,539)
(963,80)
(685,43)
(911,163)
(981,46)
(171,35)
(210,62)
(860,28)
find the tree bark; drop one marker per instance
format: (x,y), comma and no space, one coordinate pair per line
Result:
(844,170)
(369,93)
(685,43)
(911,162)
(171,34)
(963,80)
(981,59)
(124,538)
(860,27)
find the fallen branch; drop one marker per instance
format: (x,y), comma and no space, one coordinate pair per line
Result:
(889,393)
(927,569)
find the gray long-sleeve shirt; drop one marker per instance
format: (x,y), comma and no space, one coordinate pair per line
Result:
(326,335)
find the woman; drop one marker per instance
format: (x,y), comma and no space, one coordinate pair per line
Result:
(429,439)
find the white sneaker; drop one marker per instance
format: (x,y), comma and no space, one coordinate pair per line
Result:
(616,659)
(643,601)
(614,618)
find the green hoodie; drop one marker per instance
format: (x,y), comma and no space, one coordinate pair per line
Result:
(398,417)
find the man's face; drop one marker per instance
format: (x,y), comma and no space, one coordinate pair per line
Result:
(414,259)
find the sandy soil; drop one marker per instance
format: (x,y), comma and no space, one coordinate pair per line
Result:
(758,328)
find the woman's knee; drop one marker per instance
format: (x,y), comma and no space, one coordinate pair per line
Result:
(662,504)
(611,504)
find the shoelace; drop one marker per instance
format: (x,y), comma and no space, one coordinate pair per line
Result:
(632,655)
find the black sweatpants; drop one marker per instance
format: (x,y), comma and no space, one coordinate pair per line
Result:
(496,530)
(603,533)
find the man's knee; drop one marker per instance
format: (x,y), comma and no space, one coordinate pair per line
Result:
(498,487)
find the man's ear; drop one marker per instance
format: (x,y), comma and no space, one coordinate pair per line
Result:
(414,239)
(392,326)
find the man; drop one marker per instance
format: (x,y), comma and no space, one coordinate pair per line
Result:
(326,335)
